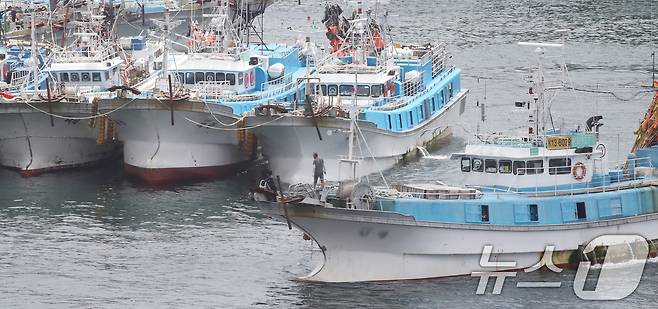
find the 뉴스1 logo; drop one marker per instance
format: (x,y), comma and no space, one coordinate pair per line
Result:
(614,282)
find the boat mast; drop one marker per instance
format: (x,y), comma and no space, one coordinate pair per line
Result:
(166,26)
(538,82)
(33,36)
(165,52)
(355,53)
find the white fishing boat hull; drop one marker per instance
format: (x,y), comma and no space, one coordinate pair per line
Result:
(30,144)
(157,151)
(379,246)
(289,143)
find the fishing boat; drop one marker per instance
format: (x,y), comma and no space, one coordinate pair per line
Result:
(547,190)
(186,125)
(55,124)
(394,97)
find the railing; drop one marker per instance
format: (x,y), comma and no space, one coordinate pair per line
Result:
(439,56)
(461,194)
(278,82)
(93,53)
(384,104)
(507,140)
(20,79)
(413,86)
(351,69)
(214,89)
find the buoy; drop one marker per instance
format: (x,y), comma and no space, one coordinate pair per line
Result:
(7,95)
(579,171)
(276,70)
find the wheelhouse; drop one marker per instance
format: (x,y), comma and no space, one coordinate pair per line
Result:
(527,166)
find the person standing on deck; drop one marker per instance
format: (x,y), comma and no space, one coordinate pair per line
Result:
(318,171)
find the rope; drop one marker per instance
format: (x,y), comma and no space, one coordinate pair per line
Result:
(209,112)
(610,93)
(78,118)
(372,155)
(233,129)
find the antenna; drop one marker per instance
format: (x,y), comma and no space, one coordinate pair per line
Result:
(538,88)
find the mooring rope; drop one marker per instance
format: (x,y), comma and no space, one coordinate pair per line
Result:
(77,118)
(235,129)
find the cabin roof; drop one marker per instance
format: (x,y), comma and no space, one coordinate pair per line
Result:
(207,62)
(84,66)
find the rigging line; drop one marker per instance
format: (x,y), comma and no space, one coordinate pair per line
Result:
(213,116)
(233,129)
(77,118)
(207,107)
(371,154)
(610,93)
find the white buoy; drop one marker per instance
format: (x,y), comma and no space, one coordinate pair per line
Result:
(276,70)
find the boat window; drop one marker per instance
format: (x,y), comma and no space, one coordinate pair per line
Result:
(75,77)
(490,166)
(390,123)
(85,76)
(505,166)
(240,78)
(535,167)
(180,77)
(477,165)
(466,164)
(96,76)
(559,166)
(519,168)
(400,119)
(64,77)
(210,76)
(332,90)
(376,91)
(346,90)
(420,110)
(363,90)
(484,211)
(107,75)
(433,106)
(534,213)
(450,90)
(323,89)
(580,210)
(230,77)
(199,77)
(189,78)
(220,77)
(411,118)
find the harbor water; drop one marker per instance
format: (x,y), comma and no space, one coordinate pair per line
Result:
(92,238)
